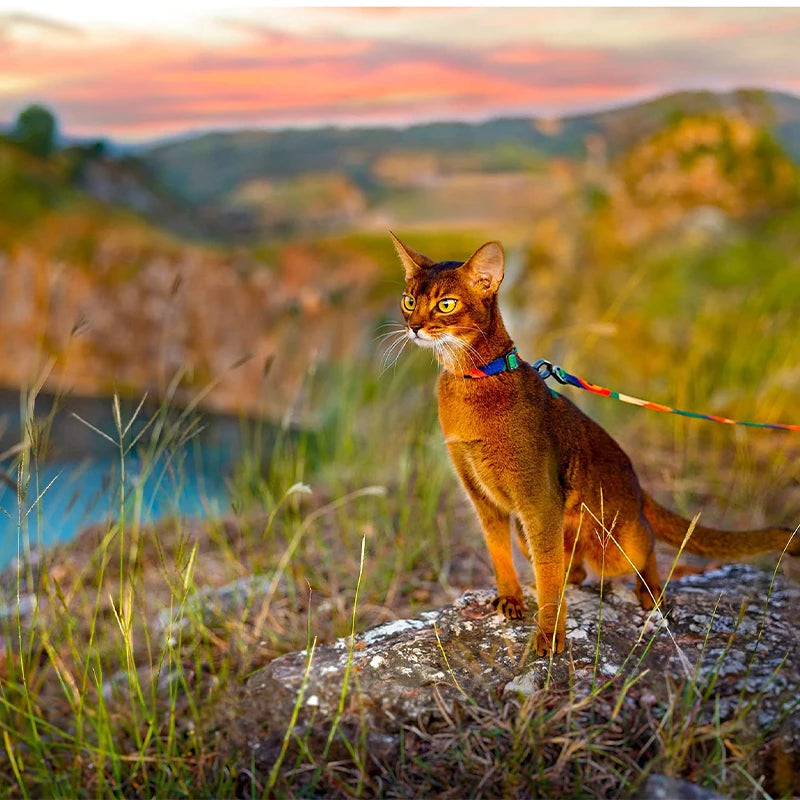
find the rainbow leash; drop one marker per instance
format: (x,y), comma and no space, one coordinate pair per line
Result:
(547,370)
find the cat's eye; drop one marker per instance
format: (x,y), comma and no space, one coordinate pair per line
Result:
(447,305)
(409,302)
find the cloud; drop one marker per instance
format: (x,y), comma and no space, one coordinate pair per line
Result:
(21,23)
(396,65)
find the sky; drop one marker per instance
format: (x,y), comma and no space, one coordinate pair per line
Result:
(135,72)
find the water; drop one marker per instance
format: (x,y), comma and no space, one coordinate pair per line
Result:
(79,480)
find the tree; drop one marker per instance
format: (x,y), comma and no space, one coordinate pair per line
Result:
(35,130)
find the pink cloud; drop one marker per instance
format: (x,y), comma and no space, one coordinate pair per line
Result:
(769,25)
(133,86)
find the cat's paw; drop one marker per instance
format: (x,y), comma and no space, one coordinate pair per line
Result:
(647,599)
(664,608)
(511,607)
(552,642)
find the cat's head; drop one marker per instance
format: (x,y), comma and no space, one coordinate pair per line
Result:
(450,306)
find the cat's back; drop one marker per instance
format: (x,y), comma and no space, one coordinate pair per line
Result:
(516,411)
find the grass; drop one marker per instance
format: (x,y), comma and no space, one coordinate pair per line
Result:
(111,680)
(98,699)
(94,700)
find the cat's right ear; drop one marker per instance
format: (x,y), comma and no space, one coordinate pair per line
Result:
(413,261)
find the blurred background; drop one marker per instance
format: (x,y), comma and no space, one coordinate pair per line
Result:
(194,206)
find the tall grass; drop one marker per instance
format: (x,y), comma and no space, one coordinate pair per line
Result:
(116,649)
(110,685)
(110,681)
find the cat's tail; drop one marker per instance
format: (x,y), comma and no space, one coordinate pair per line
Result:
(713,543)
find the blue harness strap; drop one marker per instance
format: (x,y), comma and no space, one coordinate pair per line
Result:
(508,362)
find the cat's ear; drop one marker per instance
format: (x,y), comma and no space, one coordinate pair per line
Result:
(486,265)
(413,261)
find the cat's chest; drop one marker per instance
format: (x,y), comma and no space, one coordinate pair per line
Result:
(471,412)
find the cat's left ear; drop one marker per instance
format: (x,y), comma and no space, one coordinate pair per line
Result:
(412,260)
(487,265)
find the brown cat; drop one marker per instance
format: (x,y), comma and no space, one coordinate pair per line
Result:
(520,450)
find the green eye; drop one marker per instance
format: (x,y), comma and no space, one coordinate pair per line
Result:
(409,302)
(447,305)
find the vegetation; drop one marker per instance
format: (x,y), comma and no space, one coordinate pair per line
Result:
(116,650)
(35,130)
(205,168)
(112,678)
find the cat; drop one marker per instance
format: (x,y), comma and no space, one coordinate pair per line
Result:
(524,453)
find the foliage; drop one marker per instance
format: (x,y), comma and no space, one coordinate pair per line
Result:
(28,190)
(722,161)
(35,129)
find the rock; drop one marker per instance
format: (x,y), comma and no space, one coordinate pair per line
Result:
(730,640)
(212,604)
(660,787)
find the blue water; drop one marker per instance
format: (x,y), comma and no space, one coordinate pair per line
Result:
(78,481)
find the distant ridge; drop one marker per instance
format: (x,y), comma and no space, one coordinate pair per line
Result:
(203,168)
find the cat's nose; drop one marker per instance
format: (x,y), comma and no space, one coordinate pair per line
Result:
(415,329)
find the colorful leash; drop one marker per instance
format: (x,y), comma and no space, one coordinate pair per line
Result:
(546,370)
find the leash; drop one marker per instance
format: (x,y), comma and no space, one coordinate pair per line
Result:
(547,370)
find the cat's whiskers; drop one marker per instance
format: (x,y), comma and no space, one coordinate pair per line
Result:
(439,349)
(388,335)
(400,332)
(393,361)
(473,355)
(452,353)
(394,339)
(458,346)
(398,341)
(466,350)
(445,353)
(390,357)
(397,327)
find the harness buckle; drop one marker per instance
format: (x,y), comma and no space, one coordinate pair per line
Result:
(547,369)
(544,368)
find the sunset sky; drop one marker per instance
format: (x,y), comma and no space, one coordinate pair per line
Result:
(143,71)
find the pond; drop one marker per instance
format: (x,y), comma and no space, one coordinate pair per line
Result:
(183,463)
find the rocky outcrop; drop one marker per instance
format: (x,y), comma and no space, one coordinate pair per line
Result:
(121,308)
(726,660)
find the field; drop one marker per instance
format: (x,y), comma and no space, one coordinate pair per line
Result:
(670,272)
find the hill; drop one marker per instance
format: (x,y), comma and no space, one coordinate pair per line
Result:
(121,304)
(98,299)
(205,169)
(82,175)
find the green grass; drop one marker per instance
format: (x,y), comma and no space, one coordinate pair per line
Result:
(99,698)
(96,700)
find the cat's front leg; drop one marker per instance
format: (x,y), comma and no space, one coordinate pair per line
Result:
(497,535)
(544,534)
(496,527)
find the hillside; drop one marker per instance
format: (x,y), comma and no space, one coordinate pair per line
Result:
(97,299)
(120,304)
(80,176)
(205,168)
